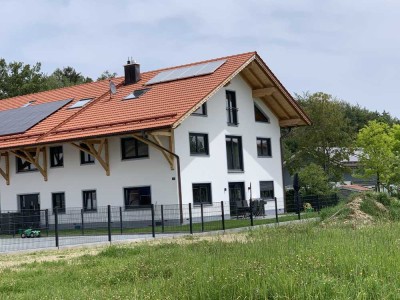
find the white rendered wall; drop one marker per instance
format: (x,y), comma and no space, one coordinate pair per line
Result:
(73,178)
(213,168)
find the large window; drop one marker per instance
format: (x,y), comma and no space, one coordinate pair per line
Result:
(137,196)
(89,200)
(202,193)
(234,153)
(264,147)
(58,200)
(231,108)
(198,143)
(201,111)
(56,156)
(86,158)
(132,148)
(24,165)
(267,189)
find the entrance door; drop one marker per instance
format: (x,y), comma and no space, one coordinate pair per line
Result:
(29,202)
(236,193)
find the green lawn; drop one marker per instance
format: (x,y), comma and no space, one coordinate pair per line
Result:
(296,262)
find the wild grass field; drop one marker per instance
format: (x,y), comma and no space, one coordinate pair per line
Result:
(307,261)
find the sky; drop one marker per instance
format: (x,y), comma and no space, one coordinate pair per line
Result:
(349,49)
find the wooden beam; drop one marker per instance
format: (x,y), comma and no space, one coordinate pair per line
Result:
(264,92)
(5,173)
(161,133)
(291,122)
(26,154)
(97,153)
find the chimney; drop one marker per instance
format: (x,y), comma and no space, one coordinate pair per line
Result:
(132,72)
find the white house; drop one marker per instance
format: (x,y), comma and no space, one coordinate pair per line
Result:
(198,133)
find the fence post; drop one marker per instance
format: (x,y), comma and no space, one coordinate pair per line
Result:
(276,210)
(153,223)
(202,217)
(222,215)
(162,218)
(46,217)
(251,213)
(318,204)
(120,218)
(82,223)
(190,219)
(56,226)
(298,205)
(109,222)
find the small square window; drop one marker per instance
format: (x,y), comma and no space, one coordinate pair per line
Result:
(86,158)
(202,193)
(198,143)
(56,156)
(89,200)
(201,111)
(264,147)
(267,189)
(58,200)
(133,148)
(137,196)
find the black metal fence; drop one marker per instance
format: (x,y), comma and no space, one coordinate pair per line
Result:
(43,228)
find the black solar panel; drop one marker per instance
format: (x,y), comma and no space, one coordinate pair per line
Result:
(19,120)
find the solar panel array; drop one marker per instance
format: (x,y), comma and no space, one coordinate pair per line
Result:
(186,72)
(21,119)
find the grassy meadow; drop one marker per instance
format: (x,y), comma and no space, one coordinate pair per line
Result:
(304,261)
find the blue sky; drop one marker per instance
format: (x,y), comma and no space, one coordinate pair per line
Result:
(349,49)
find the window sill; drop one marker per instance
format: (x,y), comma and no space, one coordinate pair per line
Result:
(199,115)
(264,156)
(200,154)
(233,124)
(56,167)
(135,158)
(235,171)
(88,164)
(27,171)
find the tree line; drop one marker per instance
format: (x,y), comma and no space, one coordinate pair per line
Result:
(18,78)
(340,129)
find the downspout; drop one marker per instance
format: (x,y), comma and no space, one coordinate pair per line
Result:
(178,166)
(283,176)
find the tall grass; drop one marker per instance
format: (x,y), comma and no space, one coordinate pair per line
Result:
(298,262)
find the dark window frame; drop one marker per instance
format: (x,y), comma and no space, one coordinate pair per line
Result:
(208,187)
(85,209)
(260,151)
(203,111)
(231,152)
(231,108)
(53,154)
(206,144)
(29,166)
(86,158)
(260,111)
(124,155)
(270,193)
(127,190)
(60,210)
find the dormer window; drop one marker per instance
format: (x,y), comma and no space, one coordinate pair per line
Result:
(81,103)
(29,103)
(136,94)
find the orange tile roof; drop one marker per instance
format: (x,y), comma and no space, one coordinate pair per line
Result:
(162,106)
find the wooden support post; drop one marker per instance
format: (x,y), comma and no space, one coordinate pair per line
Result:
(5,173)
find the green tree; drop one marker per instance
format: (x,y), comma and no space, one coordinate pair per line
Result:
(327,142)
(65,77)
(314,181)
(107,75)
(377,143)
(17,78)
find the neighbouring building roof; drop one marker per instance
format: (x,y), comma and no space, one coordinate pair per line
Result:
(164,105)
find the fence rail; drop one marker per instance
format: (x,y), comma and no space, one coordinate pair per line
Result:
(75,226)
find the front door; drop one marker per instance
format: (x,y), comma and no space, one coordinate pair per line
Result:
(29,202)
(236,193)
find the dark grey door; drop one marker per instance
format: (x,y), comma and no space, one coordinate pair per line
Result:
(236,193)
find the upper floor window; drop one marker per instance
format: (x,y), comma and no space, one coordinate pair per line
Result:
(86,158)
(259,115)
(202,193)
(137,196)
(56,156)
(264,147)
(234,153)
(133,148)
(198,143)
(231,108)
(267,189)
(24,165)
(201,111)
(89,200)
